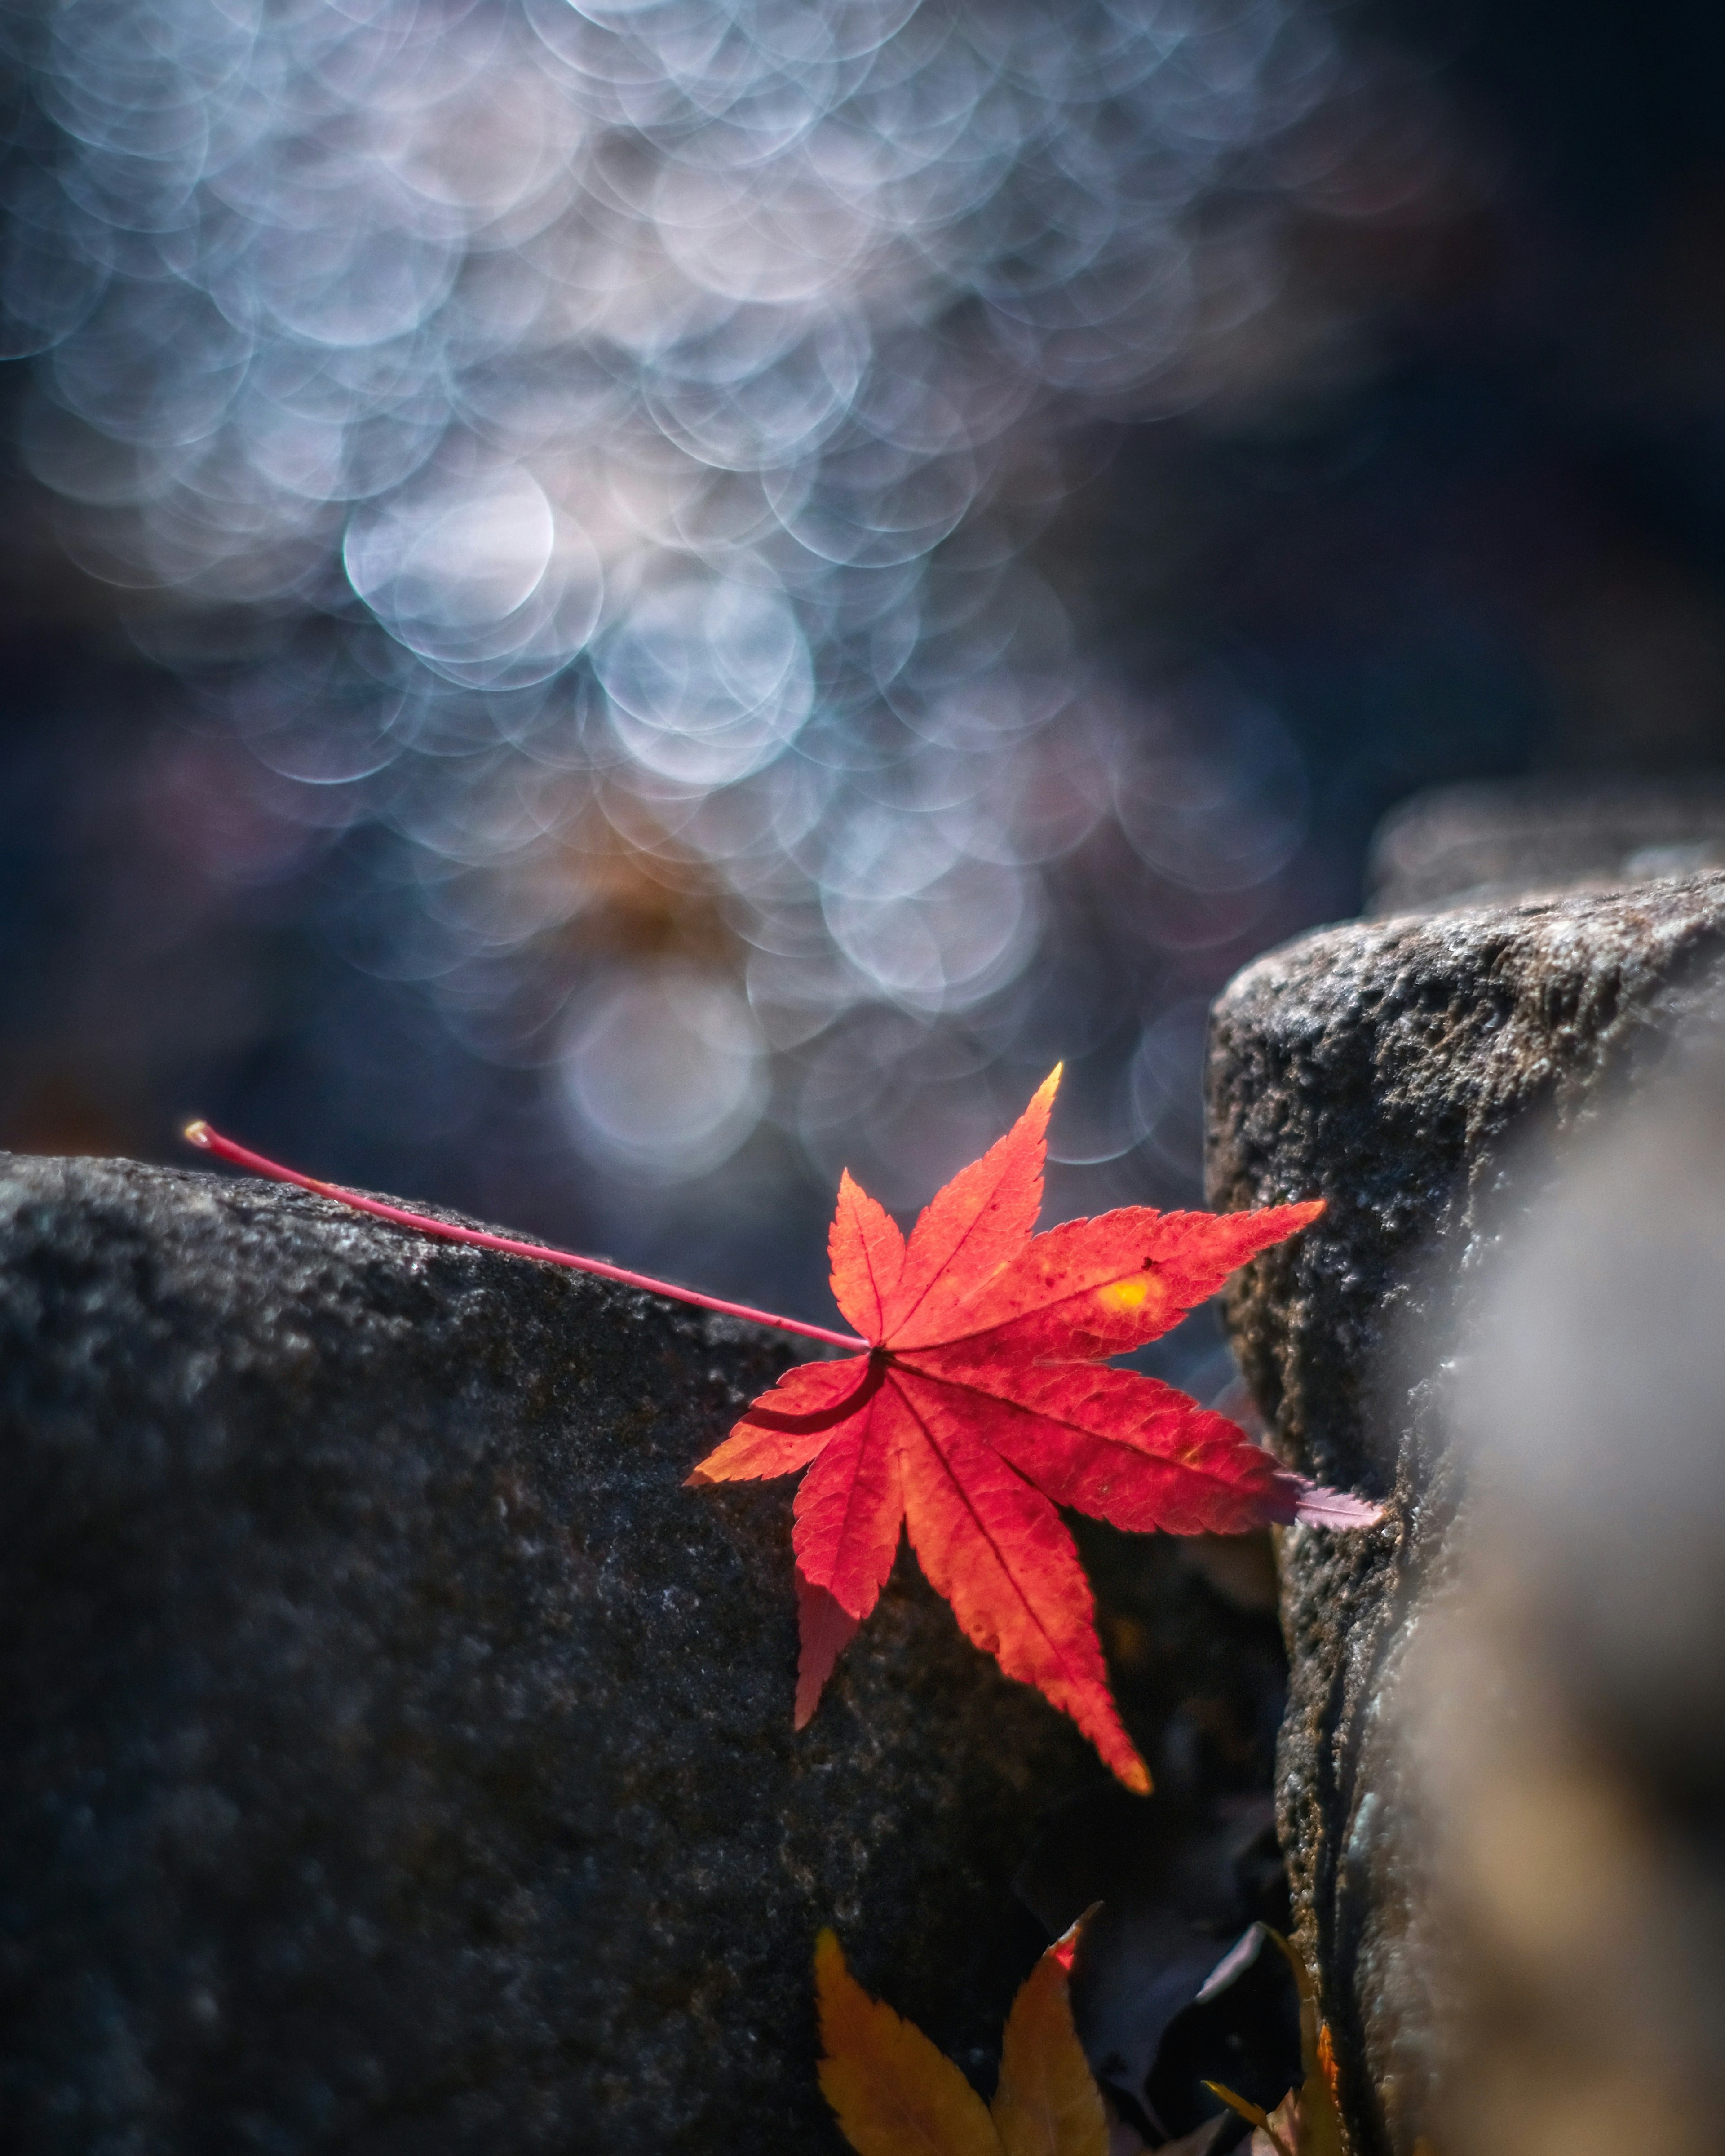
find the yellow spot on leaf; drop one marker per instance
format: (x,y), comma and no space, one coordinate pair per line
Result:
(1126,1294)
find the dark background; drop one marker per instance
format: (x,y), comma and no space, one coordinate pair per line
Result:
(1484,535)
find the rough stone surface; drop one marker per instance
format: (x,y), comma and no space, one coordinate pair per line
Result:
(1424,1076)
(397,1756)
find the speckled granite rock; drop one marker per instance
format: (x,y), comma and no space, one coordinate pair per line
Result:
(397,1758)
(1423,1076)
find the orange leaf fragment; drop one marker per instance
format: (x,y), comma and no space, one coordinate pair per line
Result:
(894,2094)
(1047,2103)
(984,1403)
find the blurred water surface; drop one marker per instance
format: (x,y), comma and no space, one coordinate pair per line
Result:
(628,712)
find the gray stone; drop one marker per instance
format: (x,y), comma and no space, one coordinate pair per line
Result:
(397,1756)
(1493,842)
(1425,1076)
(1561,1710)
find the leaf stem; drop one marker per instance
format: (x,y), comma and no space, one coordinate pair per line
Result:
(200,1134)
(1252,2113)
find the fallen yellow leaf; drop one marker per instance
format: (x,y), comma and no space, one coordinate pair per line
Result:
(1047,2103)
(894,2094)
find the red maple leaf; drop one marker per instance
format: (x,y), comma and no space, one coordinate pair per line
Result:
(984,1401)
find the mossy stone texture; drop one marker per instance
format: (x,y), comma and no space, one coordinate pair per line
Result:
(399,1758)
(1425,1076)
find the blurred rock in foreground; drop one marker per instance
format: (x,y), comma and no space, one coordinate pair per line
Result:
(1563,1713)
(1427,1077)
(397,1758)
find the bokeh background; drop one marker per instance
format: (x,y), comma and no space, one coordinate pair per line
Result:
(609,608)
